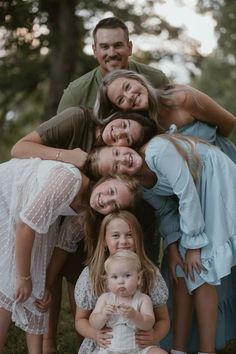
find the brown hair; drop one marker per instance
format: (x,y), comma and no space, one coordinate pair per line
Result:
(111,22)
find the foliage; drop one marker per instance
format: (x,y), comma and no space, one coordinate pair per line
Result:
(218,72)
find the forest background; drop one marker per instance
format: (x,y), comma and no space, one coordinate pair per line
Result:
(43,46)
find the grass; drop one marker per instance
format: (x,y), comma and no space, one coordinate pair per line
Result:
(68,341)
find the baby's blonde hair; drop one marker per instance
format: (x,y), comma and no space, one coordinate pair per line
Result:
(123,256)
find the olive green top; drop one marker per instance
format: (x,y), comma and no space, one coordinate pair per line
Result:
(70,129)
(83,91)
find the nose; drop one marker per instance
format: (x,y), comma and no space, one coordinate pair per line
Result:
(121,280)
(129,97)
(106,199)
(123,240)
(119,133)
(111,51)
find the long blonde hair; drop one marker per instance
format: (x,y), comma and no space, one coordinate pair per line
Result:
(157,98)
(96,264)
(92,219)
(103,107)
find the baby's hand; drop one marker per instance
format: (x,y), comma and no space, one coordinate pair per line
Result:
(109,310)
(126,311)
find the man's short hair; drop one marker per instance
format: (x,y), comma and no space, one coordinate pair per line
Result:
(111,22)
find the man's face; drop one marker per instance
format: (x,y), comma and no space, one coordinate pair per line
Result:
(112,49)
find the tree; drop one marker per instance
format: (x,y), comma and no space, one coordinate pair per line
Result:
(218,71)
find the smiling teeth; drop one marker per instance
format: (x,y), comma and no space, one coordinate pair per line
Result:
(130,160)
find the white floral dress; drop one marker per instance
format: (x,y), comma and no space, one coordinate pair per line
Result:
(35,192)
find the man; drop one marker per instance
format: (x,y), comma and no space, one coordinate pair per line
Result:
(112,49)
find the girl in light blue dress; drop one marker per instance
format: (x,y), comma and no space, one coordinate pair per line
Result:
(198,225)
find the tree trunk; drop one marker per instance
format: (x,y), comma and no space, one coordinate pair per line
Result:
(64,40)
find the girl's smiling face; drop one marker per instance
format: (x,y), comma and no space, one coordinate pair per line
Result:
(122,160)
(128,94)
(109,196)
(119,236)
(122,132)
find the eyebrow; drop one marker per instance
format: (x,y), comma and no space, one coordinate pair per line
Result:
(131,137)
(117,207)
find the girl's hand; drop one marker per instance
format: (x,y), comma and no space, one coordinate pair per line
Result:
(103,337)
(193,261)
(76,157)
(145,338)
(109,310)
(126,311)
(23,288)
(43,304)
(174,259)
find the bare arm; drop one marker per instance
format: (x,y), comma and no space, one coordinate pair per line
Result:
(101,313)
(57,261)
(32,145)
(83,327)
(24,243)
(162,324)
(143,319)
(204,108)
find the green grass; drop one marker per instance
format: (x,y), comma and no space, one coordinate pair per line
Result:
(68,341)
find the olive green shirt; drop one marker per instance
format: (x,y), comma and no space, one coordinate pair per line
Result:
(70,129)
(83,91)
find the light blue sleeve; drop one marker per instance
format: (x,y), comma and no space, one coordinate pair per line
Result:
(167,212)
(175,170)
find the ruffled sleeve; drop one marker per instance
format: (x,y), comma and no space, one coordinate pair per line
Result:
(167,212)
(57,192)
(84,296)
(70,233)
(159,292)
(170,164)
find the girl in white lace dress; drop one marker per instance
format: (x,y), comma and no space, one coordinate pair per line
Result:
(124,308)
(118,231)
(33,194)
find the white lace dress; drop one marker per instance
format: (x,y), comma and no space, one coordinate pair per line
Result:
(35,192)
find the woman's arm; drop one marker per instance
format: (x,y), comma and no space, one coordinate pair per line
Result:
(204,108)
(32,145)
(24,243)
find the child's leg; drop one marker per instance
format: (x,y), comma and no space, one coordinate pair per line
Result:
(5,321)
(205,302)
(71,295)
(182,315)
(34,343)
(50,338)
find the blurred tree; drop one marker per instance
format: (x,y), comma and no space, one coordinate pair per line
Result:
(218,71)
(42,49)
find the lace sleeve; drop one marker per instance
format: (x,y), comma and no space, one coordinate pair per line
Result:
(159,292)
(70,233)
(84,296)
(58,191)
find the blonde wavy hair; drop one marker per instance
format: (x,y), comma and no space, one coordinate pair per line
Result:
(101,253)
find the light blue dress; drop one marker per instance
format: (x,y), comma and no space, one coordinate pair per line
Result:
(201,216)
(209,133)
